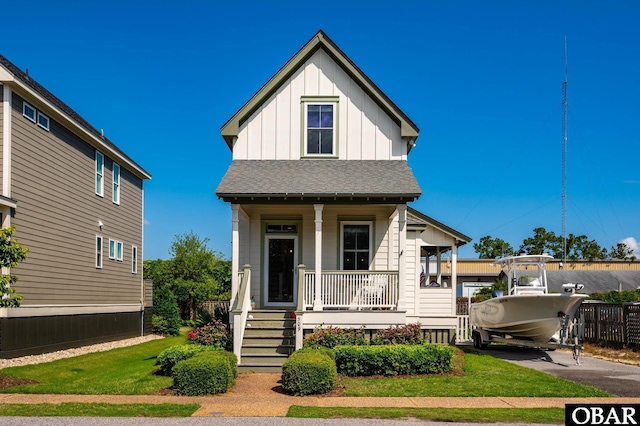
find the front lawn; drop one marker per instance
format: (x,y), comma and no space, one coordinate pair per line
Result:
(483,375)
(124,371)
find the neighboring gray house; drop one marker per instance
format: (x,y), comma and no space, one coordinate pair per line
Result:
(318,187)
(76,201)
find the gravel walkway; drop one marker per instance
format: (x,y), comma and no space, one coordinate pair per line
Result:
(67,353)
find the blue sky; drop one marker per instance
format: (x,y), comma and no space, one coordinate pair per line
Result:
(482,80)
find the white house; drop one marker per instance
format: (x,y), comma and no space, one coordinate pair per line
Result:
(319,186)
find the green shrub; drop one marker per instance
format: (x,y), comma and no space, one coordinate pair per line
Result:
(309,371)
(215,334)
(393,360)
(409,334)
(206,373)
(330,337)
(173,355)
(166,315)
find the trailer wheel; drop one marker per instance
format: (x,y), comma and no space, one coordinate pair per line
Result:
(477,342)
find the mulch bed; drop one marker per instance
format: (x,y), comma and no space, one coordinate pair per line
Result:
(9,382)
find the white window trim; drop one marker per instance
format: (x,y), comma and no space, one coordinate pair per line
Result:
(119,251)
(356,222)
(116,184)
(112,249)
(26,105)
(99,251)
(99,173)
(306,103)
(41,115)
(134,259)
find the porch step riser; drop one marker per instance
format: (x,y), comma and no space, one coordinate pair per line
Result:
(275,350)
(264,322)
(269,332)
(259,369)
(271,314)
(268,341)
(266,360)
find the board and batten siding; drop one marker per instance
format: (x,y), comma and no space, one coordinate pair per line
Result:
(274,131)
(53,179)
(1,134)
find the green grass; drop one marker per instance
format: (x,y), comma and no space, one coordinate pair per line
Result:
(483,375)
(485,415)
(124,371)
(73,409)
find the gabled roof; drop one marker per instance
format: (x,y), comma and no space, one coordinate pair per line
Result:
(231,128)
(419,220)
(21,79)
(379,181)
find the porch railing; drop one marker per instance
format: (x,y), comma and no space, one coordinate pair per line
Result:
(355,290)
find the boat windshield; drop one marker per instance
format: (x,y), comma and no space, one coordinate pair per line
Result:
(529,281)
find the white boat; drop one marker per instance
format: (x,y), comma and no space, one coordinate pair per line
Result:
(527,311)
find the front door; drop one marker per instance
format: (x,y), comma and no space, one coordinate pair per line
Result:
(280,269)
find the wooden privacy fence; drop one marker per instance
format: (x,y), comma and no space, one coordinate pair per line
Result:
(611,324)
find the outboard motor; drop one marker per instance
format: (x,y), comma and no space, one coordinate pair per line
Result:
(497,293)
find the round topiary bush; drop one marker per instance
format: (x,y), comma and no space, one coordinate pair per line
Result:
(206,373)
(309,371)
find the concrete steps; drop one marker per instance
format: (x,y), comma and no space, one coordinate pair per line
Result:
(269,339)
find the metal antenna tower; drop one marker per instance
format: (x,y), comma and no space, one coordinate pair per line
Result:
(565,107)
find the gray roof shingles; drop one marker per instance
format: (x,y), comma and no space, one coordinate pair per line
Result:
(321,178)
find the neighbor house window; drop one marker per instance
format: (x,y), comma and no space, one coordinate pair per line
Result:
(320,128)
(29,111)
(134,259)
(99,173)
(116,183)
(112,249)
(98,251)
(43,121)
(356,246)
(119,250)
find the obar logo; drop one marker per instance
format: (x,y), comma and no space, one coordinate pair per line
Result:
(601,414)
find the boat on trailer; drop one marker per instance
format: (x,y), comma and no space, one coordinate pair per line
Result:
(527,315)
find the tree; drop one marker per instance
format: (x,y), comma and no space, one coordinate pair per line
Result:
(193,271)
(11,253)
(543,242)
(621,251)
(492,248)
(166,315)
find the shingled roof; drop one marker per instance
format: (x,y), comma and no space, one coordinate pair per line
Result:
(327,180)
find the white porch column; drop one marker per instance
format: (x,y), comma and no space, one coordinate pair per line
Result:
(235,251)
(454,274)
(439,267)
(402,264)
(317,303)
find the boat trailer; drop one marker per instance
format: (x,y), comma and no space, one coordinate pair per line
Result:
(568,339)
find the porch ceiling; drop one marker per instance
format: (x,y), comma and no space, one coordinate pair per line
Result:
(388,181)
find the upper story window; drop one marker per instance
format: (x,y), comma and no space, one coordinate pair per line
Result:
(29,111)
(43,121)
(119,250)
(320,127)
(99,173)
(112,249)
(116,183)
(356,246)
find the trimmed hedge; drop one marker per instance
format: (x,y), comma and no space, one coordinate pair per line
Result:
(205,373)
(393,360)
(173,355)
(309,371)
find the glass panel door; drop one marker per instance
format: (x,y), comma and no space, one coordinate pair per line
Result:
(281,270)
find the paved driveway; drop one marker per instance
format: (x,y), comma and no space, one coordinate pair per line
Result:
(618,379)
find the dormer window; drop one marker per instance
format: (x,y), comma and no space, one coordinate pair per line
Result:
(320,127)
